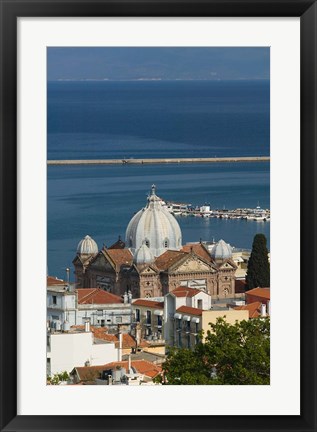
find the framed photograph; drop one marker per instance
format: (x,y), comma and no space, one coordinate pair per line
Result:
(157,179)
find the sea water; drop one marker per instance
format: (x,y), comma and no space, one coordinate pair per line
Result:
(153,119)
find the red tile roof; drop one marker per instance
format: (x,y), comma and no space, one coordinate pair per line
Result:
(149,303)
(101,333)
(52,281)
(183,291)
(142,366)
(259,292)
(127,340)
(168,258)
(120,257)
(253,308)
(90,373)
(190,310)
(97,296)
(199,250)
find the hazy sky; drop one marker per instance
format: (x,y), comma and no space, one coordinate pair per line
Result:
(158,63)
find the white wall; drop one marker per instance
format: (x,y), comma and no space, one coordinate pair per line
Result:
(206,299)
(68,350)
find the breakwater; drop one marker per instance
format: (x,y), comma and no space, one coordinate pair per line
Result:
(158,161)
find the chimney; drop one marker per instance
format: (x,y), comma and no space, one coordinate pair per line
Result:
(67,277)
(87,326)
(269,308)
(263,310)
(120,345)
(129,297)
(129,364)
(138,334)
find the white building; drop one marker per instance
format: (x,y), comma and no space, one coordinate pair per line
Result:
(65,350)
(182,297)
(76,307)
(188,311)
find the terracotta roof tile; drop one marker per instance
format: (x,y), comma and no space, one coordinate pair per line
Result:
(101,333)
(90,373)
(127,340)
(97,296)
(183,291)
(52,281)
(142,366)
(253,308)
(120,256)
(168,258)
(190,310)
(199,250)
(149,303)
(259,292)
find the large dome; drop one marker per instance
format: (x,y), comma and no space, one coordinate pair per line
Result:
(221,250)
(87,246)
(155,227)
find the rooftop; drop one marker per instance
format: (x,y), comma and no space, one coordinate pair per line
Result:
(259,292)
(183,291)
(148,303)
(90,373)
(253,308)
(53,281)
(189,310)
(97,296)
(120,257)
(198,249)
(168,258)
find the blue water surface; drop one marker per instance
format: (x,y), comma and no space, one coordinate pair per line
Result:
(140,119)
(100,201)
(91,120)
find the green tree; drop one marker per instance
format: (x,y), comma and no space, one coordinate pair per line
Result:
(236,354)
(258,272)
(57,378)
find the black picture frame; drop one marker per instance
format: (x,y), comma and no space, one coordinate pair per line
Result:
(10,11)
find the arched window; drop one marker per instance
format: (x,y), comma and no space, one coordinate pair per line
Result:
(147,242)
(165,243)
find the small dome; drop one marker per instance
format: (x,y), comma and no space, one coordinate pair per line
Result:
(221,250)
(87,246)
(154,226)
(143,255)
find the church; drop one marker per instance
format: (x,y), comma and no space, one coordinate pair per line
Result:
(152,261)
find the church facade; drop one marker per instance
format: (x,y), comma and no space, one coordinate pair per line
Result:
(152,261)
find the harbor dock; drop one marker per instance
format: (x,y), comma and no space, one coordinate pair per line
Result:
(158,161)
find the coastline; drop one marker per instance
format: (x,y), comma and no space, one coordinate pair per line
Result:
(157,161)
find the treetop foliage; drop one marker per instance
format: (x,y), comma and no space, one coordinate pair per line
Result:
(258,273)
(236,354)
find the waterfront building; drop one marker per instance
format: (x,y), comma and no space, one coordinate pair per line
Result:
(152,261)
